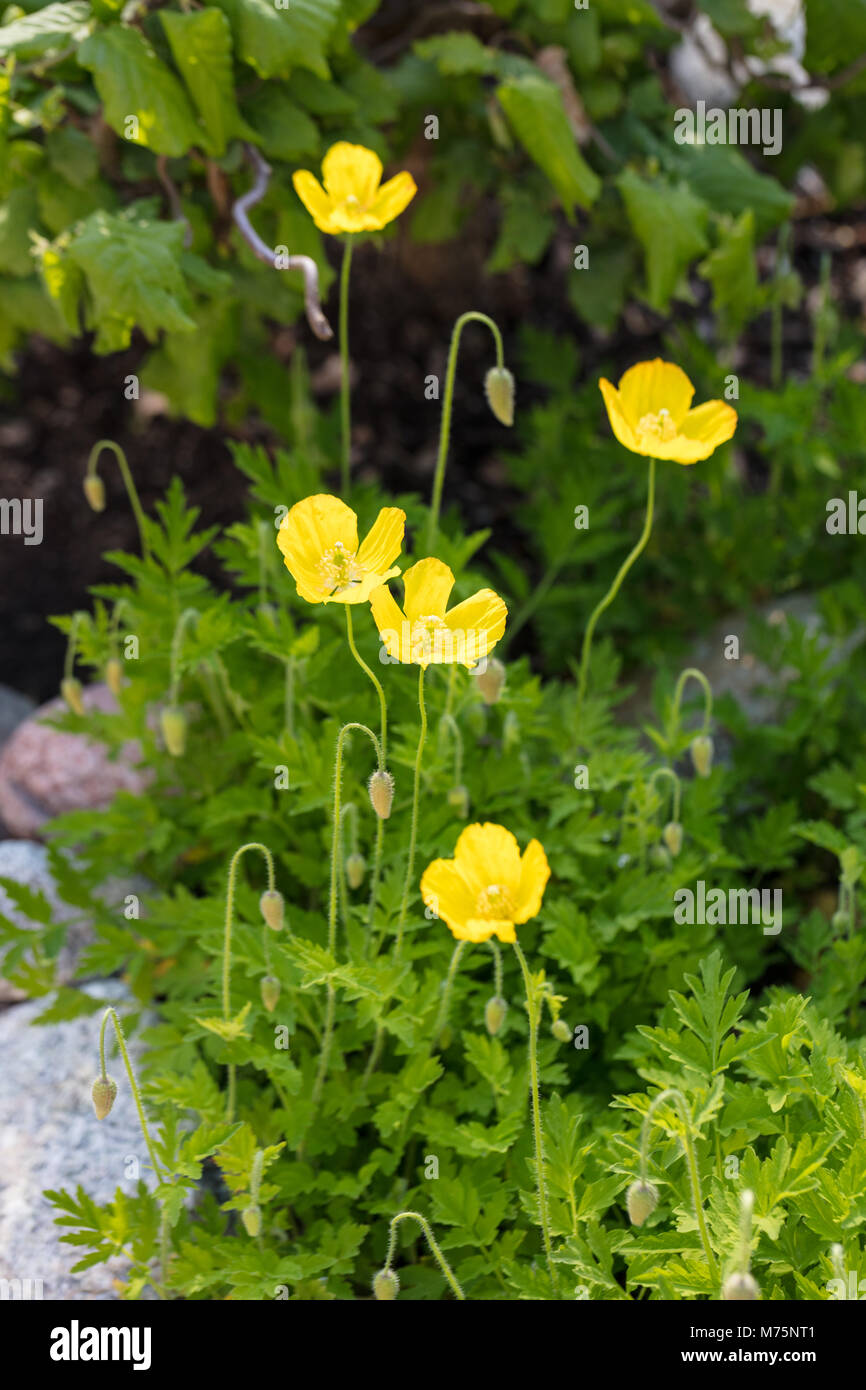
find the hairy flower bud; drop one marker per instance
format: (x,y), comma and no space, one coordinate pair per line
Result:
(641,1200)
(114,674)
(499,390)
(172,721)
(494,1014)
(356,867)
(701,749)
(561,1030)
(385,1286)
(381,789)
(103,1093)
(270,989)
(252,1219)
(272,906)
(71,690)
(491,680)
(458,800)
(94,491)
(741,1288)
(673,837)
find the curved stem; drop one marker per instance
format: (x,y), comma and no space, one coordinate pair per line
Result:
(692,673)
(536,1109)
(677,789)
(431,1241)
(614,589)
(128,483)
(413,832)
(187,616)
(110,1013)
(694,1177)
(227,945)
(345,386)
(442,1016)
(447,406)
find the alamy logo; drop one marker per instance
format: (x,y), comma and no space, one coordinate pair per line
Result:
(736,907)
(76,1343)
(737,126)
(19,518)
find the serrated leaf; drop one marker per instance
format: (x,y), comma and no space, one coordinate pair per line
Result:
(131,81)
(670,222)
(201,45)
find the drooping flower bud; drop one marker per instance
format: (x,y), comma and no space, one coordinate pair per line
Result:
(386,1286)
(114,674)
(673,837)
(272,905)
(252,1219)
(356,867)
(641,1200)
(94,491)
(701,749)
(103,1093)
(381,789)
(494,1014)
(490,680)
(561,1030)
(71,690)
(270,989)
(839,920)
(172,721)
(499,390)
(741,1288)
(458,800)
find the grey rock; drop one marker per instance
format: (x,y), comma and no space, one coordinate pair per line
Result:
(51,1139)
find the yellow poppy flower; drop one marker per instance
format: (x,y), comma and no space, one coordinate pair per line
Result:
(488,888)
(423,631)
(650,413)
(319,542)
(354,199)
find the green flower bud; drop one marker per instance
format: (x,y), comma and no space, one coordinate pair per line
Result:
(660,857)
(494,1014)
(458,800)
(490,680)
(356,867)
(252,1219)
(740,1288)
(701,749)
(641,1200)
(172,721)
(386,1286)
(381,789)
(94,491)
(114,674)
(499,390)
(103,1093)
(673,837)
(71,690)
(272,906)
(561,1030)
(270,989)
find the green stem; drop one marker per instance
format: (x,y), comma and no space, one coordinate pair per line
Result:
(677,790)
(497,966)
(187,616)
(227,946)
(448,722)
(128,483)
(413,832)
(692,673)
(345,387)
(614,589)
(694,1177)
(431,1241)
(442,1016)
(69,659)
(289,698)
(110,1013)
(536,1110)
(383,708)
(447,406)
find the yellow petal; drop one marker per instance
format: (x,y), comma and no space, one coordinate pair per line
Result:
(392,198)
(392,625)
(314,199)
(427,588)
(351,171)
(704,429)
(446,893)
(649,387)
(482,928)
(384,541)
(488,854)
(534,873)
(477,623)
(307,532)
(618,422)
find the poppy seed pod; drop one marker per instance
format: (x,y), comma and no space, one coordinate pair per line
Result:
(381,789)
(252,1219)
(356,867)
(94,491)
(172,721)
(641,1200)
(71,690)
(103,1093)
(701,749)
(494,1014)
(561,1030)
(458,800)
(272,907)
(491,680)
(386,1286)
(499,390)
(270,990)
(741,1288)
(673,837)
(114,674)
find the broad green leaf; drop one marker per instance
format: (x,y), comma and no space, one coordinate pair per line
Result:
(132,82)
(284,129)
(54,26)
(536,114)
(670,223)
(201,45)
(731,270)
(457,54)
(273,41)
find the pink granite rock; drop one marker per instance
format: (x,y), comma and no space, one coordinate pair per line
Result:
(44,772)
